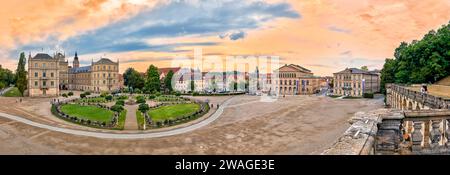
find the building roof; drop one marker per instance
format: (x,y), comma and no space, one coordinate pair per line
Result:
(104,61)
(168,69)
(298,67)
(80,69)
(355,71)
(42,56)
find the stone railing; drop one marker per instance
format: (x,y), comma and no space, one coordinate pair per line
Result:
(359,138)
(388,131)
(415,132)
(434,102)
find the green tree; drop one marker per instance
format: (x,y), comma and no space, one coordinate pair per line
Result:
(143,107)
(168,81)
(421,61)
(365,68)
(133,79)
(21,74)
(152,82)
(387,74)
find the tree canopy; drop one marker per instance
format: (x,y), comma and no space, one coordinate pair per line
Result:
(133,78)
(424,61)
(168,81)
(7,77)
(21,74)
(152,82)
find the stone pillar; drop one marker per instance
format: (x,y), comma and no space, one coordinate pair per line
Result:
(417,137)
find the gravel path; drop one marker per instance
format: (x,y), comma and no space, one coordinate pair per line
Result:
(131,120)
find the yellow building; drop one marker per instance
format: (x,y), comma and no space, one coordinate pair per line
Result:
(43,75)
(355,82)
(296,80)
(48,75)
(100,76)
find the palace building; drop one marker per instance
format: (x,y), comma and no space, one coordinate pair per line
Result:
(355,82)
(297,80)
(48,75)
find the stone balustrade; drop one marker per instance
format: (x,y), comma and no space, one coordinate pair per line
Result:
(415,132)
(401,97)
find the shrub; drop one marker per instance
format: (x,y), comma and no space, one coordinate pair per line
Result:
(140,99)
(151,97)
(109,97)
(137,91)
(87,93)
(120,102)
(64,95)
(143,107)
(123,97)
(177,94)
(83,95)
(70,93)
(117,108)
(195,94)
(368,95)
(126,90)
(104,94)
(158,94)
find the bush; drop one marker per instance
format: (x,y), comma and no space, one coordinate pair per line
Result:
(64,95)
(195,94)
(126,90)
(117,108)
(143,107)
(137,91)
(104,94)
(109,97)
(151,97)
(177,94)
(120,102)
(368,95)
(87,93)
(123,97)
(70,94)
(140,99)
(158,94)
(83,95)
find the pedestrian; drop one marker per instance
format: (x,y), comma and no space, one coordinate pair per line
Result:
(217,106)
(20,100)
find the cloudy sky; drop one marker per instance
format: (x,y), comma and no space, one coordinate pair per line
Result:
(322,35)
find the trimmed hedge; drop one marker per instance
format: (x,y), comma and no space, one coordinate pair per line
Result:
(368,95)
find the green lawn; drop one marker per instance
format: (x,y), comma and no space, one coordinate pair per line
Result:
(92,113)
(173,111)
(14,92)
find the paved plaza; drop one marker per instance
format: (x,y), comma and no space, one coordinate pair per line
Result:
(242,125)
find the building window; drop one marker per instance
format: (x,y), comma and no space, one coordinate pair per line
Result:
(52,83)
(44,74)
(51,74)
(104,75)
(109,67)
(35,83)
(44,83)
(104,67)
(104,82)
(35,74)
(35,65)
(43,65)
